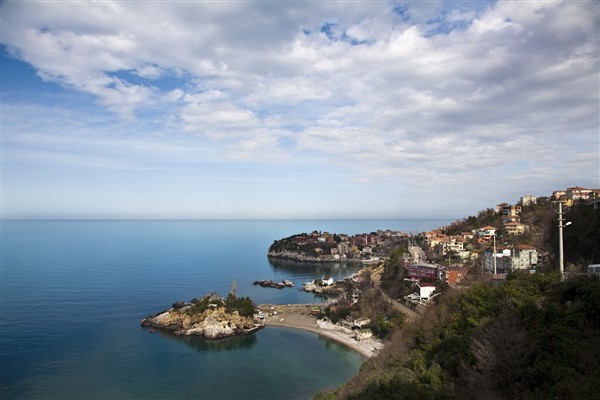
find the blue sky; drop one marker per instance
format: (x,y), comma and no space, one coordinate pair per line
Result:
(242,109)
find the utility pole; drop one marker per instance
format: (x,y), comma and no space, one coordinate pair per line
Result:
(494,254)
(561,225)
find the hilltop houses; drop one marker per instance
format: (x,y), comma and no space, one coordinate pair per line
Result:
(574,194)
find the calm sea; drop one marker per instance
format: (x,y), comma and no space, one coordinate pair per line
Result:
(73,294)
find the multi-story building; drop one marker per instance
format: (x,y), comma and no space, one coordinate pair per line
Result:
(514,228)
(524,257)
(423,271)
(528,200)
(520,257)
(449,244)
(486,233)
(578,193)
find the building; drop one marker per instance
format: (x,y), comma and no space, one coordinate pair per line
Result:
(508,210)
(528,200)
(449,244)
(327,281)
(514,228)
(503,261)
(486,233)
(425,290)
(578,193)
(356,295)
(575,194)
(520,257)
(524,257)
(423,271)
(453,275)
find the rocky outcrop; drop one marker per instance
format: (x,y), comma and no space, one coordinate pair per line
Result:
(325,290)
(212,322)
(276,285)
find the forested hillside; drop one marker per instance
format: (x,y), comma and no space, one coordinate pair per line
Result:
(532,337)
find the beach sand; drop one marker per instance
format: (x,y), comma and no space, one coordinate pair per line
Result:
(298,316)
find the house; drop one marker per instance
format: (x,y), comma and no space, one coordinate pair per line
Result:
(362,322)
(575,194)
(510,219)
(334,251)
(425,290)
(559,195)
(454,275)
(467,235)
(327,281)
(356,295)
(486,233)
(578,193)
(514,228)
(450,244)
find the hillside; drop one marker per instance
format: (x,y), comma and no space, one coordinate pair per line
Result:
(532,336)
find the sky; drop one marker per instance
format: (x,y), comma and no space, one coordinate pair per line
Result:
(294,109)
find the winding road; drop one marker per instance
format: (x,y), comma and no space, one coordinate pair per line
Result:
(376,278)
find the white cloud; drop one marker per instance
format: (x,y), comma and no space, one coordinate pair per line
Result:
(429,93)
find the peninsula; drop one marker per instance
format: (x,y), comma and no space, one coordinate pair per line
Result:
(321,247)
(212,317)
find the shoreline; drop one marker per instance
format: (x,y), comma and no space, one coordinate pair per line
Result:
(296,316)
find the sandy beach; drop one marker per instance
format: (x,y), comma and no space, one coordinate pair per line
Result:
(298,316)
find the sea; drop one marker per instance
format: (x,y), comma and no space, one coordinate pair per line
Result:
(73,294)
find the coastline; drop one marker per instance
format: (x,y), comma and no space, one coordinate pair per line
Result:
(297,316)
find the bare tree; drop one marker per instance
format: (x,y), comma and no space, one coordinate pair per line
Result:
(501,354)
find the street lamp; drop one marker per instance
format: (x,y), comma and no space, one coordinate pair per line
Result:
(561,225)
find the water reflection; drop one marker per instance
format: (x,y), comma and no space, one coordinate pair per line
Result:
(296,268)
(202,344)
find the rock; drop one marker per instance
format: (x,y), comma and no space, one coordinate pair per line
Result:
(275,285)
(212,323)
(179,304)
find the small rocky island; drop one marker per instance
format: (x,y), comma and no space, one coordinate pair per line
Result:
(211,316)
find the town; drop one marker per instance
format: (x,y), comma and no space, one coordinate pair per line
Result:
(413,269)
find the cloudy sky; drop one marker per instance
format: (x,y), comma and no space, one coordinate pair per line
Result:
(292,109)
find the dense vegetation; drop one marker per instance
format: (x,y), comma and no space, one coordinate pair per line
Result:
(532,337)
(243,305)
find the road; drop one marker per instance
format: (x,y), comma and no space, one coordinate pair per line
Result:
(376,278)
(417,253)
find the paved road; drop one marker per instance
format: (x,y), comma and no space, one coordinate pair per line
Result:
(376,278)
(417,253)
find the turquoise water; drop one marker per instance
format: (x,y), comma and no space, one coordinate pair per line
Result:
(74,292)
